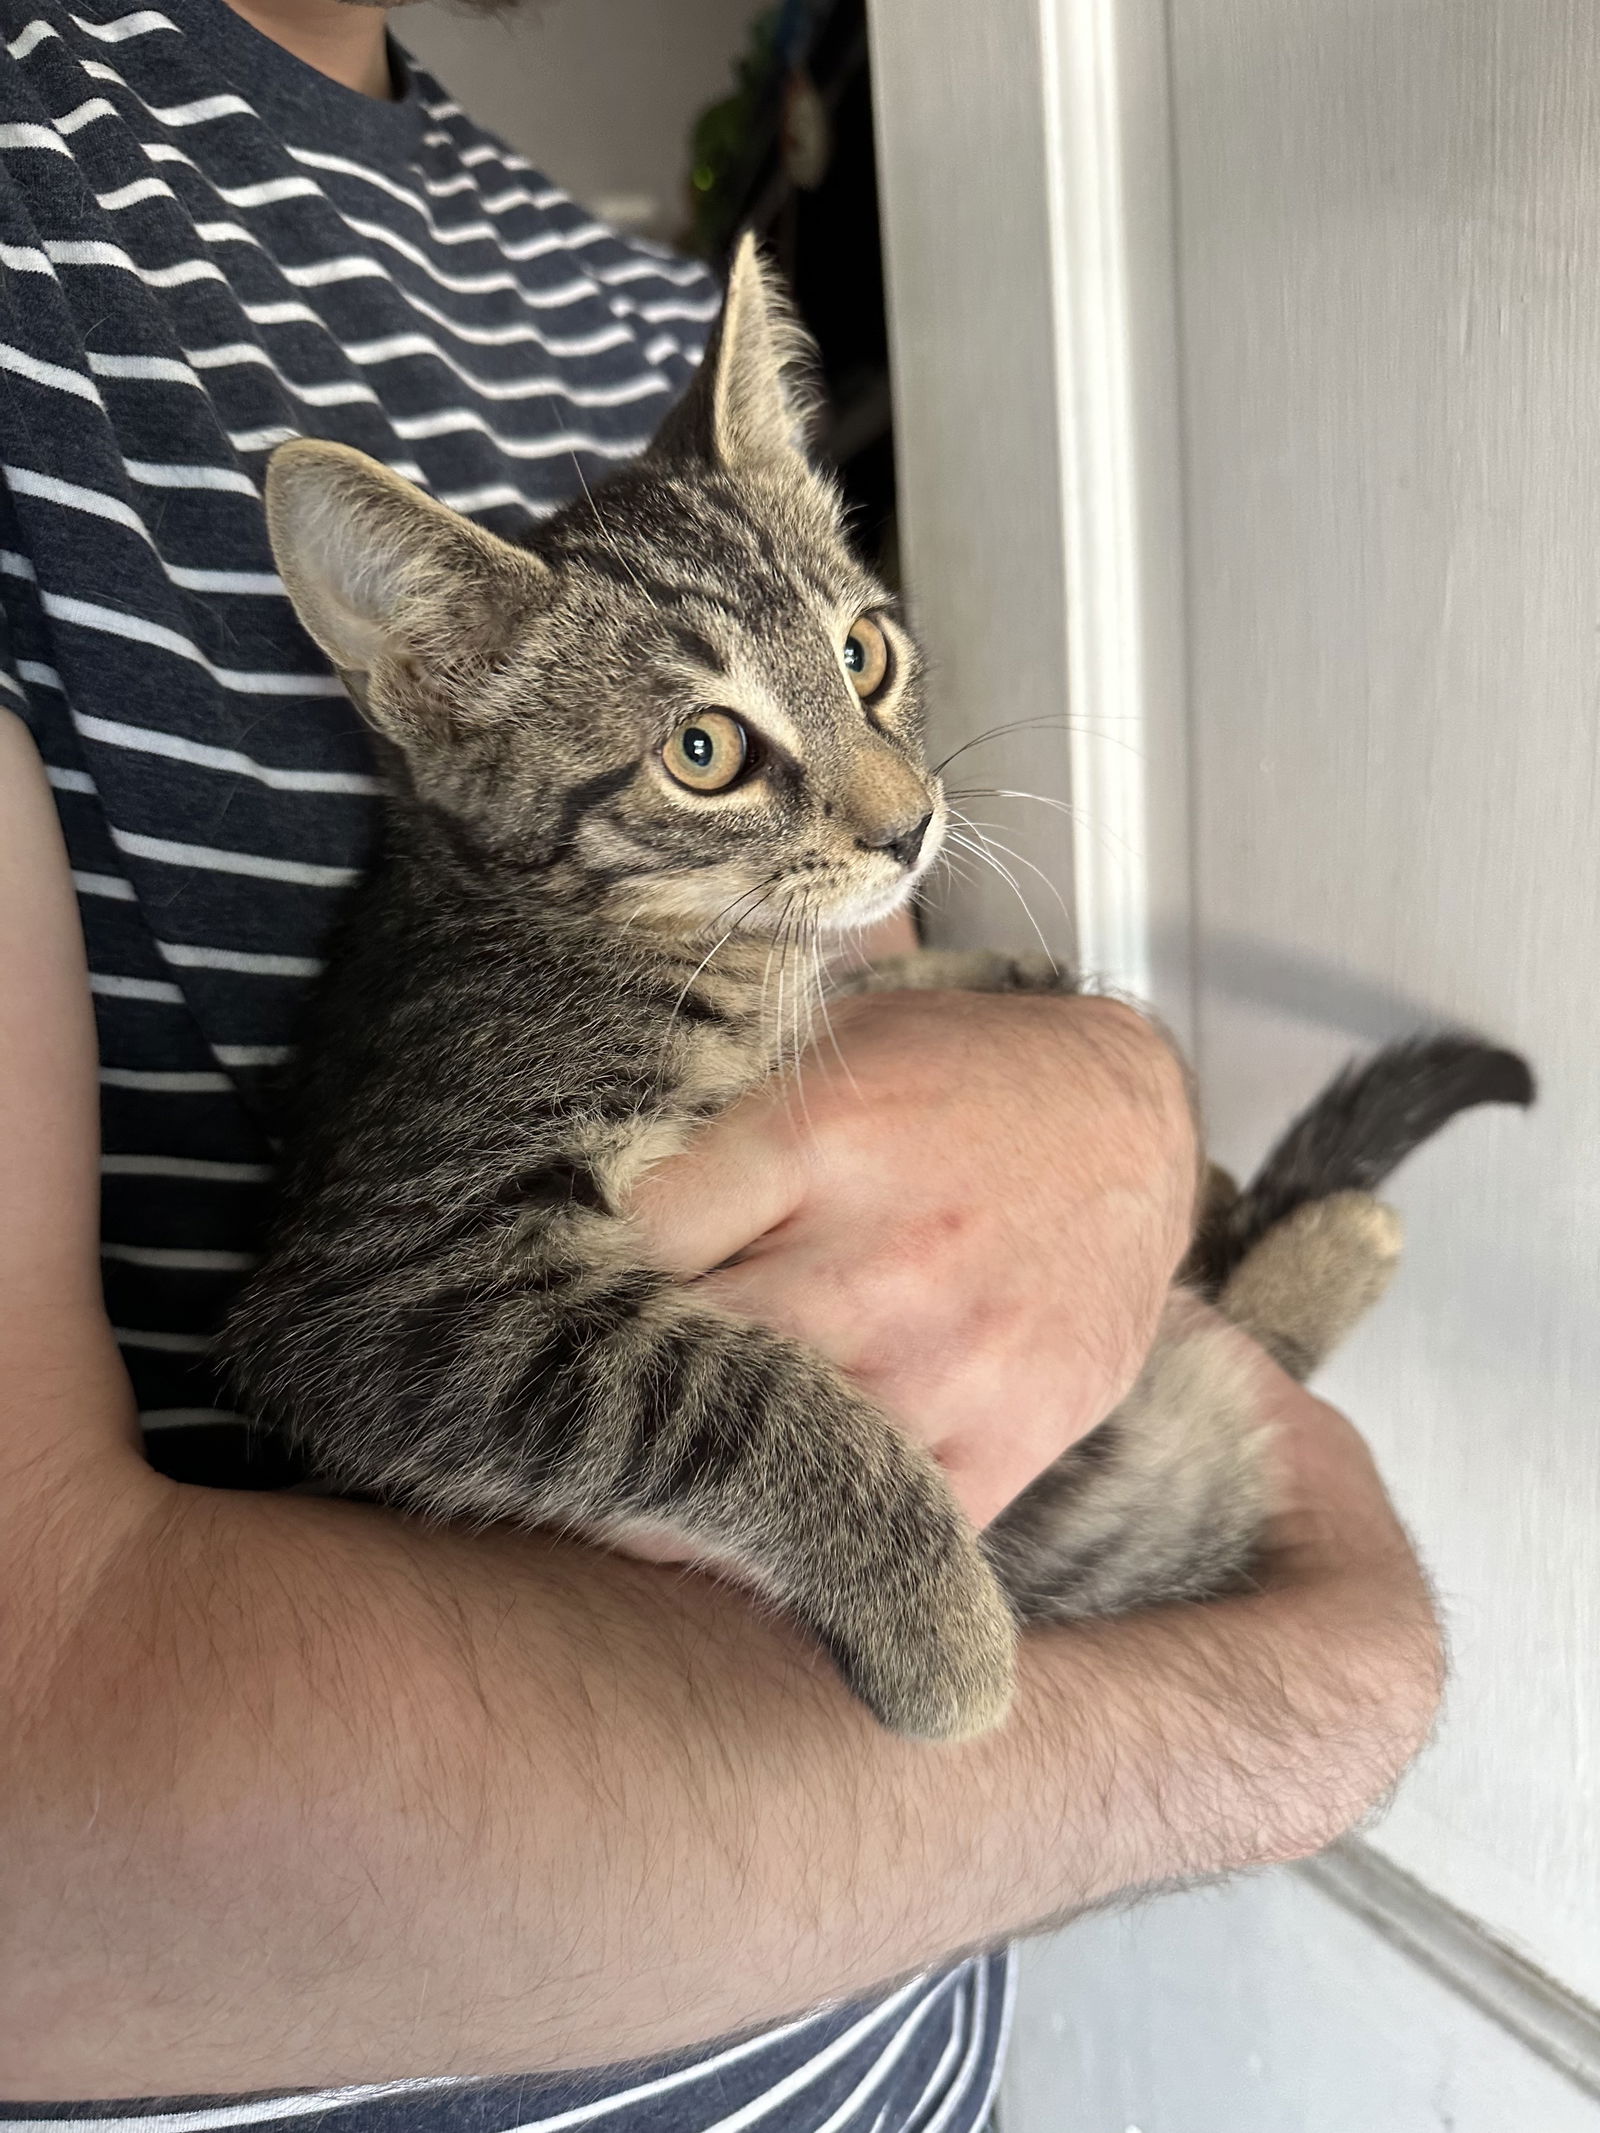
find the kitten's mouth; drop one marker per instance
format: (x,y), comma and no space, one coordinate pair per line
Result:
(877,904)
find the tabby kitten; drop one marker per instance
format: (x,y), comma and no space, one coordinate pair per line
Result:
(636,768)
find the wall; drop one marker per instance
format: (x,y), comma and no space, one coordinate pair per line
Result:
(1390,252)
(599,93)
(1035,353)
(982,544)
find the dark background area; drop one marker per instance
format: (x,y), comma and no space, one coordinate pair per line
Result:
(792,157)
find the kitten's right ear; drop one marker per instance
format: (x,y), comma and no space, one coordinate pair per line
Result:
(749,405)
(384,577)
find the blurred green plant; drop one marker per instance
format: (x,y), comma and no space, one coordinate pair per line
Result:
(722,140)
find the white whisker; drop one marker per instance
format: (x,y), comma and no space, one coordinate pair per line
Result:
(605,533)
(1073,814)
(987,830)
(1042,724)
(981,850)
(819,979)
(683,990)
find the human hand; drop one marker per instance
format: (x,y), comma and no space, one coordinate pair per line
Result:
(976,1209)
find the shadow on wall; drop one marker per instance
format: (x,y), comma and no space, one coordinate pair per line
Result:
(1320,993)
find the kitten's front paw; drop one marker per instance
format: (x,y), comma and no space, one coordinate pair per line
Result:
(943,1672)
(962,970)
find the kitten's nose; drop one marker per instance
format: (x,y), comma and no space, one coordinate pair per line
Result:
(900,842)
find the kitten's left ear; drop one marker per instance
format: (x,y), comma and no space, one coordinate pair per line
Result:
(383,576)
(749,406)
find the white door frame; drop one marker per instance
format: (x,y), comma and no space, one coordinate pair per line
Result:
(1025,173)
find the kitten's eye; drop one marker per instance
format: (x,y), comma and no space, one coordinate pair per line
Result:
(708,752)
(866,656)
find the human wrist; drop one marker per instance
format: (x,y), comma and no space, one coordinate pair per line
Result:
(1253,1732)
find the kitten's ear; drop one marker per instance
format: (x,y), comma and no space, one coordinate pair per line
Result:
(384,577)
(749,406)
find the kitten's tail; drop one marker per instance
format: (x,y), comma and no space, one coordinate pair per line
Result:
(1362,1127)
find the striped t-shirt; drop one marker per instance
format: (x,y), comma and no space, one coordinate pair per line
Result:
(205,247)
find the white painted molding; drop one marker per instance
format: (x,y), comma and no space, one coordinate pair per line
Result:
(1108,129)
(1025,167)
(1541,2014)
(1099,485)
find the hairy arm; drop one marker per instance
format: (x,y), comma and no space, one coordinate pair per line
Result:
(294,1792)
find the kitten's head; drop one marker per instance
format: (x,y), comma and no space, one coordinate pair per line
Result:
(684,702)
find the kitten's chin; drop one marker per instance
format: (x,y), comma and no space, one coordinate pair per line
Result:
(872,909)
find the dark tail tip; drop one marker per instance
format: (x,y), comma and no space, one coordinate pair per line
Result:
(1358,1131)
(1507,1078)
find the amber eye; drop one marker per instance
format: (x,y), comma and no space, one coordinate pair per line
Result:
(708,752)
(866,656)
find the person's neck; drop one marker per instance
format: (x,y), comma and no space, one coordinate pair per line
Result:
(342,41)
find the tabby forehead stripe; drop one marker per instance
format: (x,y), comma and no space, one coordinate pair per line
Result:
(697,646)
(665,592)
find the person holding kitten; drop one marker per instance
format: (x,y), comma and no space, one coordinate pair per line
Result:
(302,1797)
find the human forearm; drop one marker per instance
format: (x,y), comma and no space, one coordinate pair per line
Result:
(312,1795)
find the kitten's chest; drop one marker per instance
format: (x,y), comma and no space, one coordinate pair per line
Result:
(615,1070)
(713,1065)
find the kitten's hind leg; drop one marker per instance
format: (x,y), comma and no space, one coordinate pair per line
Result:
(1165,1500)
(1162,1502)
(1313,1276)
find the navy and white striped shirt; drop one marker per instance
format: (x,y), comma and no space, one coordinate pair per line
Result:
(205,247)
